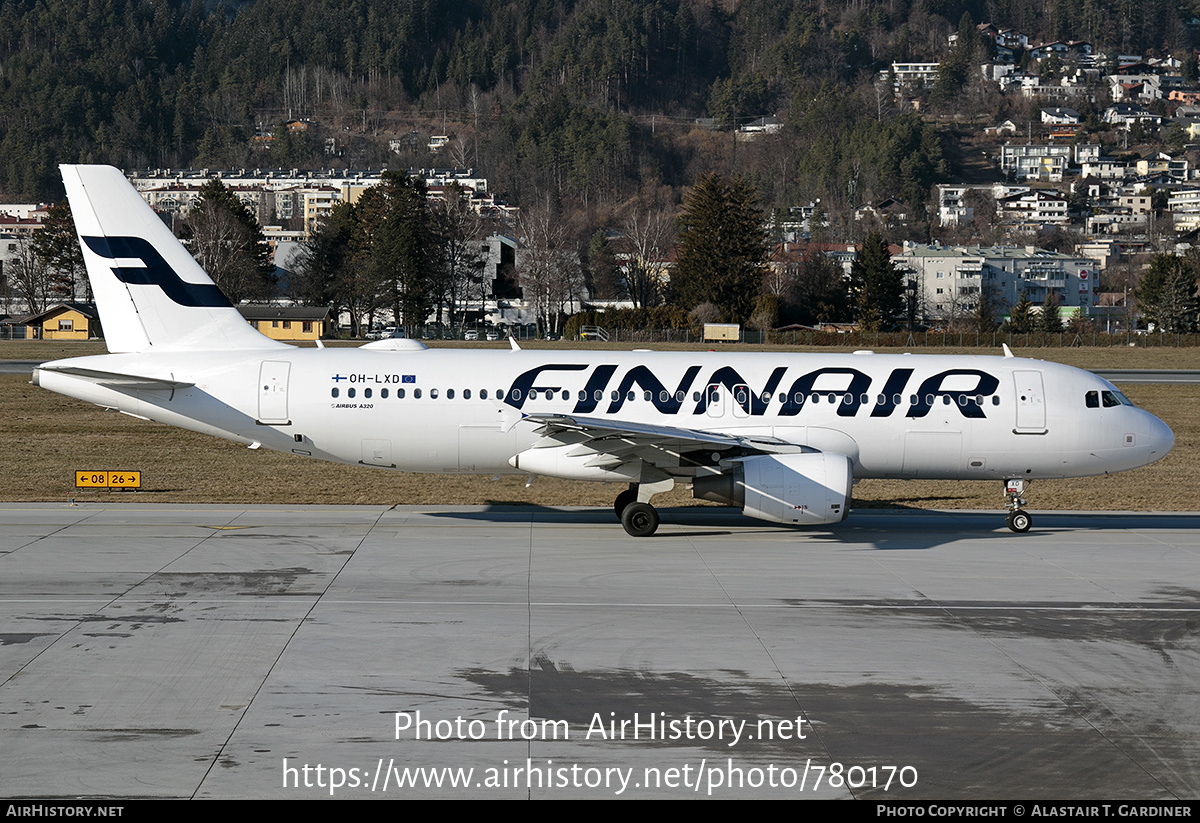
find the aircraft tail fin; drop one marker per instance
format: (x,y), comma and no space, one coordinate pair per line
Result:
(150,293)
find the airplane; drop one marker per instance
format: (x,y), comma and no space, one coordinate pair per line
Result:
(782,436)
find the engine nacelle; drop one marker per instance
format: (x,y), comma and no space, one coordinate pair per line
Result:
(573,462)
(798,489)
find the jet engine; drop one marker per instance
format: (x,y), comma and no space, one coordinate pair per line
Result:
(800,489)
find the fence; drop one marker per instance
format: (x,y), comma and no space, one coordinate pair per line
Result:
(874,340)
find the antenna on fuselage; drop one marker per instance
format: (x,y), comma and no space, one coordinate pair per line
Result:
(1007,350)
(512,342)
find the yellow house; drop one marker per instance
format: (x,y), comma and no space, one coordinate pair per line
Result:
(287,322)
(64,321)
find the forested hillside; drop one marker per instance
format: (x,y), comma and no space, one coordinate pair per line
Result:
(587,101)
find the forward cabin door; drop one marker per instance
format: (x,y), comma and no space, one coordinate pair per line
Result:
(1031,402)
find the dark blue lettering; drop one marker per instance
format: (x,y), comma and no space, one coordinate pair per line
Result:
(892,390)
(752,403)
(966,401)
(643,377)
(851,399)
(595,384)
(519,390)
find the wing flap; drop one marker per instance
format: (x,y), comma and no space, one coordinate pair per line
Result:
(622,438)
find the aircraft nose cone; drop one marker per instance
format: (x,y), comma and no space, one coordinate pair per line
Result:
(1160,438)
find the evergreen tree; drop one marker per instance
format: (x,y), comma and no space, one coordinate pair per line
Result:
(818,291)
(1049,321)
(722,247)
(1167,295)
(326,273)
(985,314)
(402,247)
(877,288)
(1020,318)
(225,238)
(57,245)
(603,274)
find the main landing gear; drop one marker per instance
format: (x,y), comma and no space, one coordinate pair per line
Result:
(633,508)
(1018,519)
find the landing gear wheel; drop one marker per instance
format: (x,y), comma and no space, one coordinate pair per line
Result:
(640,519)
(1019,521)
(624,499)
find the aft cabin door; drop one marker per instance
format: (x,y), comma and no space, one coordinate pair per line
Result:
(273,392)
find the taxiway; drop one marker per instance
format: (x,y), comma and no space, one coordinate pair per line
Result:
(189,651)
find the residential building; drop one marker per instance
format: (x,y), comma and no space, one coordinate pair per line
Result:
(1032,209)
(1035,161)
(287,322)
(952,279)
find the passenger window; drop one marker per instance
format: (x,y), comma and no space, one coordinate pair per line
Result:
(350,392)
(366,392)
(383,393)
(334,392)
(399,394)
(416,394)
(466,394)
(1092,399)
(449,394)
(483,394)
(433,394)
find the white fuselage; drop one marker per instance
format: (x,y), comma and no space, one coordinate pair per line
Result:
(899,416)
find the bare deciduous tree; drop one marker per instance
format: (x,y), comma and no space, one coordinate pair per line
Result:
(649,233)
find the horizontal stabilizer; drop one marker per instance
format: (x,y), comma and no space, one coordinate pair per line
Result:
(115,380)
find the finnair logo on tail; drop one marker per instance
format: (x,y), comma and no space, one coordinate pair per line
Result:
(156,272)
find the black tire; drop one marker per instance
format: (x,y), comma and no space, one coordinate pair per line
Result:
(640,519)
(1020,521)
(624,499)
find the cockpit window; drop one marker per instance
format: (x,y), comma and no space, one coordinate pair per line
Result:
(1114,398)
(1093,399)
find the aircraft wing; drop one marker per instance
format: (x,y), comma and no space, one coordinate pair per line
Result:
(615,442)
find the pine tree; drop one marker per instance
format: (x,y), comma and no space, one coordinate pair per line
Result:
(877,288)
(722,247)
(1020,318)
(1049,321)
(58,247)
(1167,295)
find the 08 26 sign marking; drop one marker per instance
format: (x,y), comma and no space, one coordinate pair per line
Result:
(108,480)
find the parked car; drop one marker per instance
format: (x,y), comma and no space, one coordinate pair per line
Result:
(471,334)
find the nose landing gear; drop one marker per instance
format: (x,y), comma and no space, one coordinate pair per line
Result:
(1018,519)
